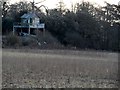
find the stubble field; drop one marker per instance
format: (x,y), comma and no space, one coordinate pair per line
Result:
(59,69)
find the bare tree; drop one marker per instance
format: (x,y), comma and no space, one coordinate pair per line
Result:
(61,6)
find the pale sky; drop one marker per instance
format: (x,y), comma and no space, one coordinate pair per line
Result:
(53,3)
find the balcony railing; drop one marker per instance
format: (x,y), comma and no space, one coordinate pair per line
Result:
(31,25)
(22,24)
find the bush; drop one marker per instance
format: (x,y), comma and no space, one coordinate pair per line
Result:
(29,41)
(12,40)
(46,40)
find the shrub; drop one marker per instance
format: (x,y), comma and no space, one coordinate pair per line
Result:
(29,41)
(46,40)
(12,40)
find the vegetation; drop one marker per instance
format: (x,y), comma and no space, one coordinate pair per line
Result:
(85,27)
(30,68)
(12,41)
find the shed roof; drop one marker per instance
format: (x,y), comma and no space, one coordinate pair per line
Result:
(29,15)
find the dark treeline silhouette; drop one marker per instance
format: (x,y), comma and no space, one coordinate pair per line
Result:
(83,27)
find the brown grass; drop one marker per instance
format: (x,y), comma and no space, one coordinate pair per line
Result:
(59,68)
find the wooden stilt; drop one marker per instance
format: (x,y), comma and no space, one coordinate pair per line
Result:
(21,30)
(29,30)
(13,30)
(44,32)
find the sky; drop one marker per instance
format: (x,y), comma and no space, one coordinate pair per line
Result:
(53,3)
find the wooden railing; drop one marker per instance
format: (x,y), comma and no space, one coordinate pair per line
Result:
(41,25)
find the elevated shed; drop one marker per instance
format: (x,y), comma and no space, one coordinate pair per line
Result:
(30,22)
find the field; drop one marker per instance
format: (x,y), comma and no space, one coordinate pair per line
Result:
(59,69)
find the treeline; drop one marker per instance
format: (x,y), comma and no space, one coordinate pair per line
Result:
(84,27)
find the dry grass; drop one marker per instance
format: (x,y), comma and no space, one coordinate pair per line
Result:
(59,68)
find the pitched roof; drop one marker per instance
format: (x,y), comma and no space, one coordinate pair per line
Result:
(29,15)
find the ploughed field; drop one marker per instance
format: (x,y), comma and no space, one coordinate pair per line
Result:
(59,69)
